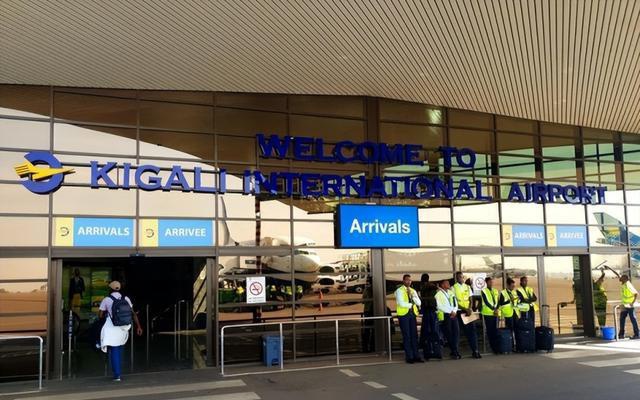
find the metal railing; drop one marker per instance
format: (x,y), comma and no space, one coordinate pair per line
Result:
(294,323)
(615,320)
(41,352)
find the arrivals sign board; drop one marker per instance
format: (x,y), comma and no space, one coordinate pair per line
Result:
(567,236)
(535,236)
(376,226)
(523,235)
(120,232)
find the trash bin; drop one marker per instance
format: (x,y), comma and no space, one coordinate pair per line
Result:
(271,350)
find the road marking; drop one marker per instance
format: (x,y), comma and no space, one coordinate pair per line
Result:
(375,385)
(142,391)
(633,371)
(229,396)
(349,373)
(612,363)
(574,354)
(403,396)
(600,347)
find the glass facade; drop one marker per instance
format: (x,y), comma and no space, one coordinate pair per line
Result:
(289,239)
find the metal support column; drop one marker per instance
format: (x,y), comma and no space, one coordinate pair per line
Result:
(379,301)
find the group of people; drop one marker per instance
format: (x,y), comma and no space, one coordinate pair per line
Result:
(446,309)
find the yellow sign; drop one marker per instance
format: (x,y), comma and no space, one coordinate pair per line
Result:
(148,233)
(37,172)
(507,235)
(552,236)
(63,235)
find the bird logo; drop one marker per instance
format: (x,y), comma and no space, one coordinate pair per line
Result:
(43,171)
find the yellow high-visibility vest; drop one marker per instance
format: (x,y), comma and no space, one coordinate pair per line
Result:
(463,294)
(527,294)
(489,301)
(401,311)
(506,310)
(626,295)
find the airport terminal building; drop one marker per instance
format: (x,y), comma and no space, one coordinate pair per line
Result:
(249,206)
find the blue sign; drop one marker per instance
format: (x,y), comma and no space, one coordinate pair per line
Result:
(185,232)
(524,235)
(103,232)
(373,226)
(571,235)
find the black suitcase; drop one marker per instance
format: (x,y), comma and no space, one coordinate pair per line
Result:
(544,334)
(525,336)
(504,341)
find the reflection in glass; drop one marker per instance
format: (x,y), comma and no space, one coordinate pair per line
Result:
(563,283)
(32,231)
(558,147)
(476,213)
(565,213)
(23,297)
(522,213)
(605,271)
(23,268)
(435,235)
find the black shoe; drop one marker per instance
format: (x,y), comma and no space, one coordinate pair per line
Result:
(476,355)
(418,360)
(410,361)
(635,337)
(456,356)
(621,336)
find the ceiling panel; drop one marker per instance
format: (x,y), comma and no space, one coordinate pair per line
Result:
(565,61)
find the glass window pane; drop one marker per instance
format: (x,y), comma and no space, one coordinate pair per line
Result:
(520,167)
(435,235)
(599,172)
(476,213)
(481,142)
(480,263)
(633,213)
(392,110)
(106,140)
(23,297)
(176,144)
(523,145)
(30,99)
(319,233)
(476,235)
(249,123)
(33,231)
(632,194)
(264,233)
(23,268)
(29,323)
(602,274)
(342,106)
(565,170)
(238,149)
(605,214)
(517,267)
(330,129)
(155,114)
(24,134)
(558,147)
(608,236)
(434,214)
(430,137)
(565,214)
(96,109)
(558,130)
(632,173)
(515,124)
(415,262)
(252,101)
(522,213)
(470,119)
(176,204)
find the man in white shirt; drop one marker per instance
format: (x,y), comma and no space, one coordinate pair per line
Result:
(447,316)
(407,306)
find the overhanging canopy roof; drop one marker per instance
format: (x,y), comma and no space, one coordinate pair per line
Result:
(574,62)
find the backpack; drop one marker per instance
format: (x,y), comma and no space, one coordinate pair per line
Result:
(121,311)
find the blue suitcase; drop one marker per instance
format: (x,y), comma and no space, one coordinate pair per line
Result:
(525,336)
(504,341)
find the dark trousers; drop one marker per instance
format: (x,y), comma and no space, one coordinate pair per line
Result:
(429,326)
(531,317)
(491,325)
(470,332)
(623,319)
(368,342)
(409,329)
(510,322)
(451,332)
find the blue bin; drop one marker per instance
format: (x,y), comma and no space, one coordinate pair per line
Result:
(608,332)
(271,350)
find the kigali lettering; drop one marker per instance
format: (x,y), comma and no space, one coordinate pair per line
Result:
(422,186)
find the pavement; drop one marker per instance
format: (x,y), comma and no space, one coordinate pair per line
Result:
(579,369)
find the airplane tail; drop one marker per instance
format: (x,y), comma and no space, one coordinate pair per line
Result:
(225,235)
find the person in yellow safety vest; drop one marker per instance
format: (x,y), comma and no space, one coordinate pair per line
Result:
(239,293)
(463,293)
(600,299)
(628,296)
(527,296)
(447,313)
(508,305)
(407,306)
(288,292)
(272,292)
(491,312)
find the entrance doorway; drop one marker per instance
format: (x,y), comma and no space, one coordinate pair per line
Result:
(564,289)
(169,297)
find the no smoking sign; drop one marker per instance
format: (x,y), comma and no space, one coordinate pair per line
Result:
(255,290)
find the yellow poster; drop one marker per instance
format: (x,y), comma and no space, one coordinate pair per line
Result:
(63,235)
(507,235)
(148,233)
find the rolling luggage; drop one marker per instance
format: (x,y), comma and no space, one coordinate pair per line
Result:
(525,336)
(504,340)
(544,334)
